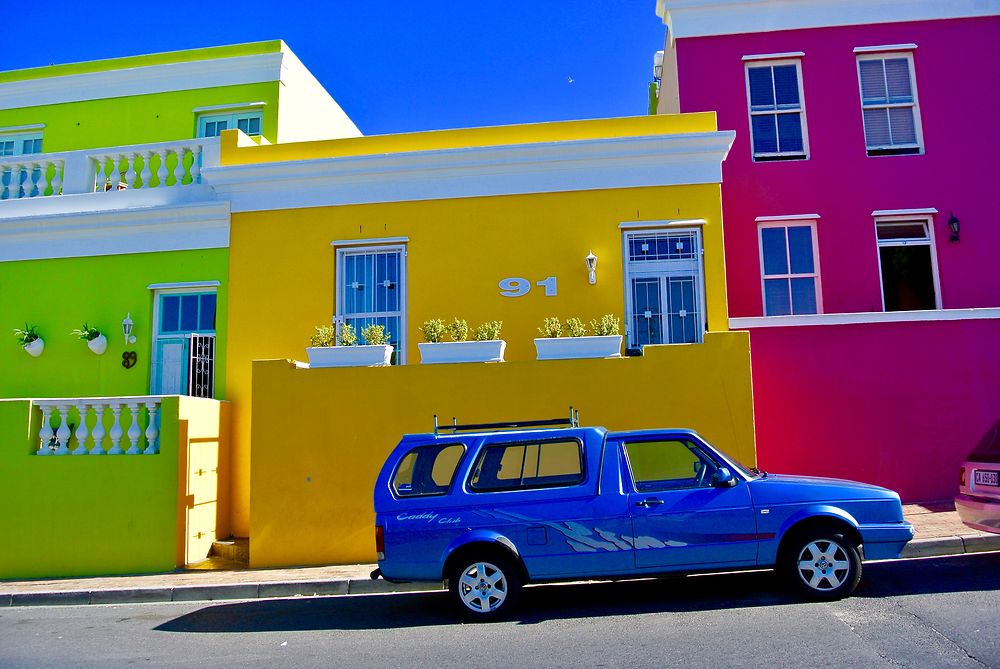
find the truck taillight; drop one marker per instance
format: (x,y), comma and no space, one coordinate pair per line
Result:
(961,477)
(380,541)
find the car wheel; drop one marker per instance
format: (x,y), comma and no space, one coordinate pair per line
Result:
(822,565)
(484,587)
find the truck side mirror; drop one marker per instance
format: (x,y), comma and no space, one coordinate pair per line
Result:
(723,478)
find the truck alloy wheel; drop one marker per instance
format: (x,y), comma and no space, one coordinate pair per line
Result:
(823,565)
(484,589)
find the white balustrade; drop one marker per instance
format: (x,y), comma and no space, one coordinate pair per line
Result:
(159,165)
(136,418)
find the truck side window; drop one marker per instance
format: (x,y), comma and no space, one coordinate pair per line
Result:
(519,466)
(668,464)
(427,470)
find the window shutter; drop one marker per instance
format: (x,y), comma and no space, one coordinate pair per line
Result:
(877,127)
(872,81)
(897,76)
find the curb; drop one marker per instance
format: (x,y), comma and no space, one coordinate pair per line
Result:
(918,548)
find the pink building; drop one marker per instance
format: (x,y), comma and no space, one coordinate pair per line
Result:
(861,239)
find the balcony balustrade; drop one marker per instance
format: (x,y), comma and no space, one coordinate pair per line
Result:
(161,165)
(101,424)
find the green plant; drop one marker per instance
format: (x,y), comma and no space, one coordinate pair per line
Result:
(551,327)
(576,327)
(608,325)
(433,330)
(375,335)
(326,335)
(347,335)
(86,333)
(459,329)
(27,335)
(488,331)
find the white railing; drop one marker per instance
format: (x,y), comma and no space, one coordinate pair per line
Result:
(100,424)
(161,165)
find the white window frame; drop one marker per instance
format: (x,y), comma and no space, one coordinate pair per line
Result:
(195,287)
(928,221)
(364,247)
(629,273)
(754,62)
(864,55)
(232,117)
(18,138)
(782,222)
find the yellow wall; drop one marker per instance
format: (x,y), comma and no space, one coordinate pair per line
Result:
(321,435)
(457,252)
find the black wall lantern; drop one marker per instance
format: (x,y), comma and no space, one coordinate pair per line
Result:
(955,226)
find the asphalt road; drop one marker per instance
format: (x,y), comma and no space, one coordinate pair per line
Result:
(940,612)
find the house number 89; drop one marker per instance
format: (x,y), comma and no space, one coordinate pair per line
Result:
(517,287)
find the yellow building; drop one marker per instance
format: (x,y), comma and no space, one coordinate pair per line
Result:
(482,224)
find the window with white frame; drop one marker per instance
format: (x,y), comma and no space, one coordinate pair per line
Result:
(371,290)
(889,104)
(183,356)
(777,111)
(212,125)
(907,264)
(664,287)
(20,144)
(789,261)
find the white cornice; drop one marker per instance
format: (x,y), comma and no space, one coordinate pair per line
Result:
(866,317)
(592,164)
(700,18)
(144,80)
(113,232)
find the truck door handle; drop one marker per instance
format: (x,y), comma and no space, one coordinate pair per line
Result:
(650,501)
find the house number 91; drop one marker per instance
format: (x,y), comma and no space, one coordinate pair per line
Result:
(517,287)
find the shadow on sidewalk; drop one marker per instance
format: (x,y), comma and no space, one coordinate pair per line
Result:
(667,595)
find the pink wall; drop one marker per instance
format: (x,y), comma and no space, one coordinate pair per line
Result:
(956,66)
(902,406)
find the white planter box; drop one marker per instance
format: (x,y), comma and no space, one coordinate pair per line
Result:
(563,348)
(461,351)
(349,356)
(98,344)
(35,348)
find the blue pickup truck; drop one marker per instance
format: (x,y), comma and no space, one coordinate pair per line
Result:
(491,507)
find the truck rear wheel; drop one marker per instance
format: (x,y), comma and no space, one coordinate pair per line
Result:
(484,587)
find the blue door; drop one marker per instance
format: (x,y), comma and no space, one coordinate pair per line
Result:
(680,520)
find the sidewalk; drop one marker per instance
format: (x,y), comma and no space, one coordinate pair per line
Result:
(938,532)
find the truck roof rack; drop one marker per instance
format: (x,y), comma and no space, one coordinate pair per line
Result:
(572,421)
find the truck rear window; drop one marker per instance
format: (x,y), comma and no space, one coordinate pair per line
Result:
(519,466)
(427,470)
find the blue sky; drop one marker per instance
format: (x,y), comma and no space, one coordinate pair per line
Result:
(398,66)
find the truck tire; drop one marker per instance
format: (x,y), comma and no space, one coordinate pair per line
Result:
(821,564)
(484,586)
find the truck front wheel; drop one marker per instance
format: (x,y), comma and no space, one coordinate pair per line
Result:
(822,564)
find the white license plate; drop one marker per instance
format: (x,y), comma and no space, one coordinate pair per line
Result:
(986,478)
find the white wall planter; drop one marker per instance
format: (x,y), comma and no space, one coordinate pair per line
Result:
(349,356)
(461,351)
(35,348)
(98,344)
(563,348)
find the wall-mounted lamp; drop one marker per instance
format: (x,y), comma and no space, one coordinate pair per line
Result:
(955,226)
(658,65)
(591,261)
(127,329)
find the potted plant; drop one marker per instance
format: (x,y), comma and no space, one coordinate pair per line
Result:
(485,347)
(332,349)
(29,340)
(604,342)
(96,342)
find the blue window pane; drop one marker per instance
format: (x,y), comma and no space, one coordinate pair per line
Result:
(897,76)
(683,328)
(254,126)
(646,298)
(244,125)
(761,88)
(786,86)
(765,134)
(804,296)
(772,242)
(790,133)
(189,313)
(170,313)
(872,81)
(207,319)
(776,302)
(800,248)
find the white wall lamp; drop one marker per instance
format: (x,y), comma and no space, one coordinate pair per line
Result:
(127,329)
(591,261)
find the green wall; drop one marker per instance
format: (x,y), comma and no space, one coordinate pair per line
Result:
(81,516)
(58,295)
